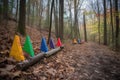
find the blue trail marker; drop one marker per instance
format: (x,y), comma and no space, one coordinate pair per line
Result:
(44,47)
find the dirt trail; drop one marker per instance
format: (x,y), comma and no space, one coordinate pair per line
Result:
(87,61)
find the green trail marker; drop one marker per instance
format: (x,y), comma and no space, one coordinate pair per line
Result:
(28,48)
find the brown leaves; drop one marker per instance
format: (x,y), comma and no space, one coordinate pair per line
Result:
(87,61)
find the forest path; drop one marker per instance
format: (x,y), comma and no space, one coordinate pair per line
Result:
(88,61)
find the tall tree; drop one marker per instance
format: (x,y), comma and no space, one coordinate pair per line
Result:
(111,21)
(17,5)
(70,19)
(5,9)
(40,12)
(77,8)
(1,11)
(48,13)
(84,23)
(50,21)
(28,12)
(56,17)
(105,26)
(61,16)
(117,24)
(76,32)
(22,17)
(11,6)
(98,12)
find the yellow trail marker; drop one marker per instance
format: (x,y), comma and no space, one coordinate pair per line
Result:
(74,41)
(16,50)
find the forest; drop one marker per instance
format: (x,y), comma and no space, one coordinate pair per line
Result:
(59,39)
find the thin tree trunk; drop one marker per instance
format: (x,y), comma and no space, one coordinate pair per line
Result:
(5,9)
(98,20)
(17,10)
(40,14)
(56,19)
(48,14)
(117,24)
(61,23)
(111,21)
(70,19)
(33,15)
(22,17)
(105,26)
(12,5)
(28,13)
(75,19)
(85,32)
(52,6)
(71,22)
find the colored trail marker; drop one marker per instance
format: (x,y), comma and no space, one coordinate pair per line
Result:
(28,48)
(52,45)
(59,44)
(16,50)
(74,41)
(44,47)
(78,41)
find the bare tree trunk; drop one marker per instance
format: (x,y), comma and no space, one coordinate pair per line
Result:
(75,19)
(85,32)
(98,20)
(40,13)
(48,14)
(56,18)
(28,13)
(111,19)
(105,26)
(61,23)
(71,21)
(5,9)
(52,6)
(117,24)
(17,10)
(70,18)
(1,11)
(22,17)
(76,27)
(33,14)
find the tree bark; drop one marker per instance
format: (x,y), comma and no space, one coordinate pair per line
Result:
(16,15)
(56,18)
(75,19)
(5,9)
(48,14)
(105,26)
(117,24)
(85,32)
(22,17)
(111,21)
(40,13)
(98,20)
(61,22)
(28,13)
(70,11)
(52,6)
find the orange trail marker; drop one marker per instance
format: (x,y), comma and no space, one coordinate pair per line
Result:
(16,50)
(59,44)
(74,41)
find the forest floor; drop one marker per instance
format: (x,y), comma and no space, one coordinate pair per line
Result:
(87,61)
